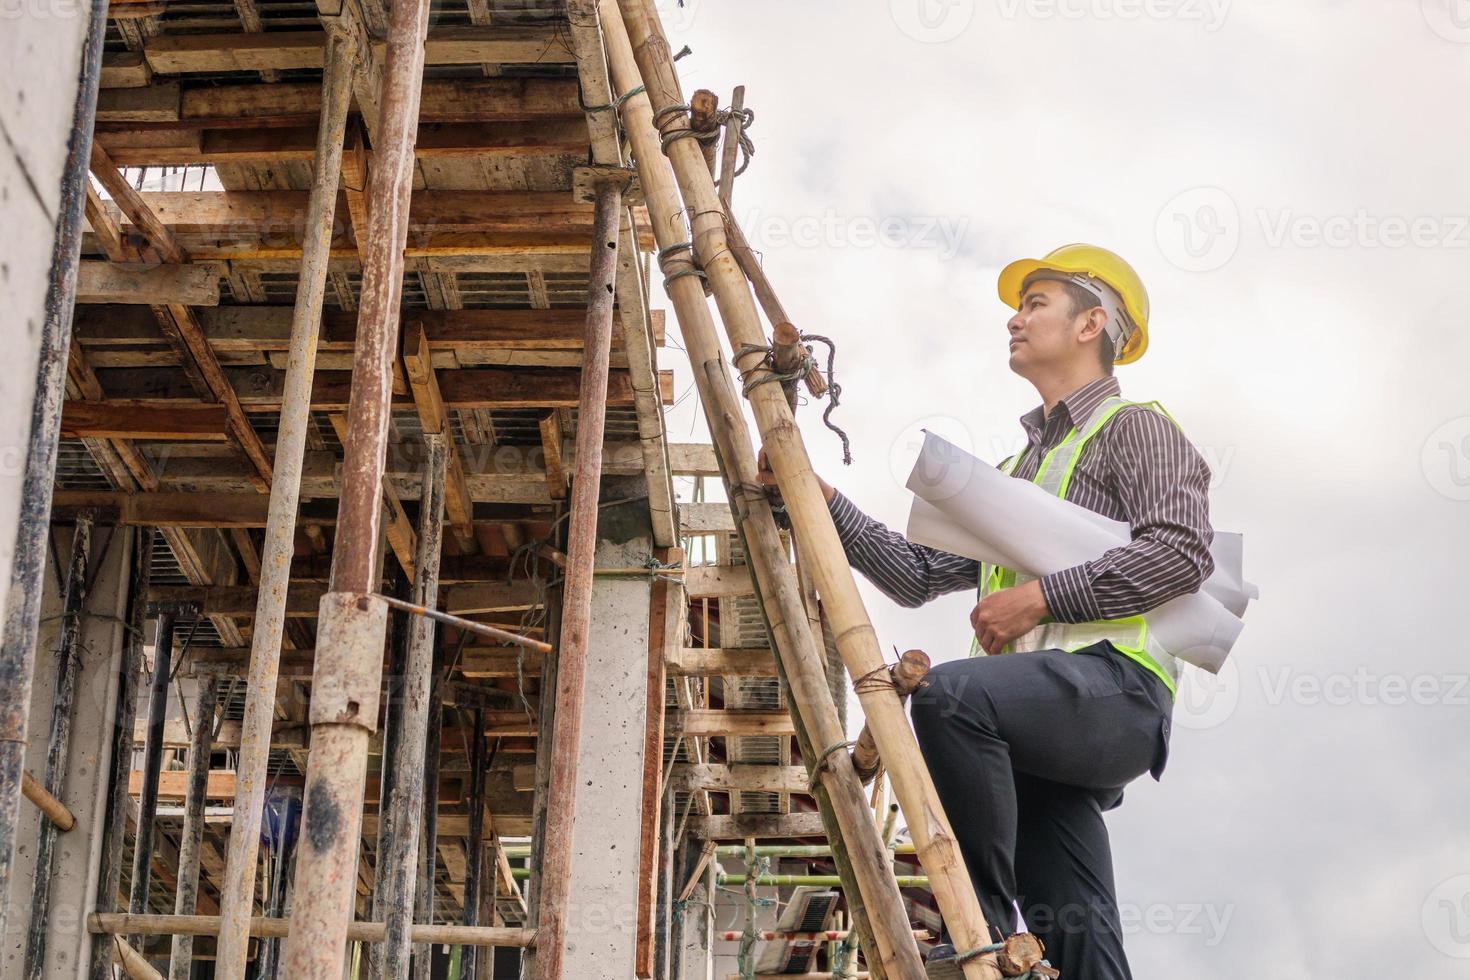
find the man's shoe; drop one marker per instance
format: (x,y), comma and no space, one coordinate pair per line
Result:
(940,964)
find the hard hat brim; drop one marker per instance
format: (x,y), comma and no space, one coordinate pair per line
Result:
(1013,278)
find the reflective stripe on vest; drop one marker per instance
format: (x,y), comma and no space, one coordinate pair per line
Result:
(1131,634)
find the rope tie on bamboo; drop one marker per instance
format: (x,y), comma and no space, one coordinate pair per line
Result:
(764,372)
(677,261)
(822,761)
(721,119)
(877,679)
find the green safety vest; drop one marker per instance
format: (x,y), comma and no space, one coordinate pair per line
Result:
(1131,634)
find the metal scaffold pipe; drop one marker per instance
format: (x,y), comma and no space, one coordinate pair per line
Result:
(347,677)
(571,653)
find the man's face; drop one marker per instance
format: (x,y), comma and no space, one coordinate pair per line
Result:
(1044,333)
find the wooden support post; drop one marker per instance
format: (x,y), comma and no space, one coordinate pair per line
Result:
(571,653)
(114,822)
(878,910)
(237,893)
(163,650)
(428,854)
(475,859)
(816,536)
(350,662)
(191,838)
(403,811)
(68,664)
(117,924)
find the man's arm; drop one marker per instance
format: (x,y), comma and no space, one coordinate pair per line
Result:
(1163,483)
(909,574)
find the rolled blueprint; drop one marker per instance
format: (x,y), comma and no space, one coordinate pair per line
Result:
(968,507)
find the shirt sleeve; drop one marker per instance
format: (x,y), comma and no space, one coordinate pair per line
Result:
(1163,483)
(909,574)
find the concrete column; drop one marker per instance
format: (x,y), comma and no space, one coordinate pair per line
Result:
(85,790)
(602,909)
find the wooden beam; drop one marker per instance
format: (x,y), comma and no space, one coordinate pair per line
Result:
(718,581)
(706,723)
(144,420)
(493,388)
(434,419)
(305,597)
(693,459)
(124,69)
(761,826)
(718,662)
(164,509)
(107,282)
(551,451)
(132,204)
(690,777)
(481,663)
(706,518)
(178,54)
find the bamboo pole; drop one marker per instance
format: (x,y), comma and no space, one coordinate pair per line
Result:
(120,923)
(22,605)
(404,808)
(347,678)
(114,822)
(908,674)
(132,962)
(51,808)
(68,663)
(181,954)
(878,908)
(237,892)
(571,670)
(811,521)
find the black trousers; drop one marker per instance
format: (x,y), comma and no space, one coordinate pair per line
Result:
(1027,751)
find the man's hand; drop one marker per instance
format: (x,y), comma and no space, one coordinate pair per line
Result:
(767,477)
(1002,616)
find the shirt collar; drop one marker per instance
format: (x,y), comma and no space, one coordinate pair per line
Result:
(1077,405)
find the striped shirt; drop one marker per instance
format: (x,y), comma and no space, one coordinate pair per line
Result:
(1140,469)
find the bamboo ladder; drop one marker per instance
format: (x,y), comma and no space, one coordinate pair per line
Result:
(643,69)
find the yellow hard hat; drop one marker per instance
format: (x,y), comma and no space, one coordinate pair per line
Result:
(1094,262)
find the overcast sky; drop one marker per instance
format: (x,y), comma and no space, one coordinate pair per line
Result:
(1290,180)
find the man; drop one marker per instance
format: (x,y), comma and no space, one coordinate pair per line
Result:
(1028,749)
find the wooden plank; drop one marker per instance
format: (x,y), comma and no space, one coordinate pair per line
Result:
(304,598)
(108,282)
(174,784)
(718,661)
(706,723)
(459,100)
(132,203)
(693,459)
(481,663)
(223,510)
(690,777)
(437,141)
(762,826)
(434,419)
(143,420)
(718,581)
(177,54)
(706,518)
(124,69)
(551,451)
(157,103)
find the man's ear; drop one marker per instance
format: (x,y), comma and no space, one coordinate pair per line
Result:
(1095,320)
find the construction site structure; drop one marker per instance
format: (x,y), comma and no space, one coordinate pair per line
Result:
(362,618)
